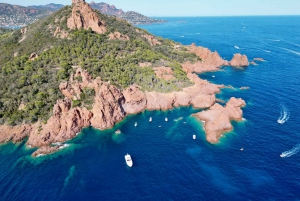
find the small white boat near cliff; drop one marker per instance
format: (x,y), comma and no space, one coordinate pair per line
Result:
(166,119)
(150,120)
(135,124)
(128,160)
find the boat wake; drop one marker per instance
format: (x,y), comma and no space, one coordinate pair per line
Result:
(284,115)
(291,152)
(291,51)
(237,47)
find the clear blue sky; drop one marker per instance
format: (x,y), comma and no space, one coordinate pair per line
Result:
(192,7)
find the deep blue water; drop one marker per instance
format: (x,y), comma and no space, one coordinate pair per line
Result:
(168,163)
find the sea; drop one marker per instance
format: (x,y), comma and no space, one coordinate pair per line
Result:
(168,164)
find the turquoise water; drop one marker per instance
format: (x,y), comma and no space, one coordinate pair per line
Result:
(168,163)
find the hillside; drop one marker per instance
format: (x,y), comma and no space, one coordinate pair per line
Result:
(19,16)
(78,68)
(130,16)
(115,55)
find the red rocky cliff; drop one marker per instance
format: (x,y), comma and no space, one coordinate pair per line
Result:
(84,17)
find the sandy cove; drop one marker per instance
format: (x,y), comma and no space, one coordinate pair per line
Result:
(112,105)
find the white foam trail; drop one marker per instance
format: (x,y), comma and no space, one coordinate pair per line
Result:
(292,51)
(181,36)
(180,118)
(284,115)
(291,152)
(237,47)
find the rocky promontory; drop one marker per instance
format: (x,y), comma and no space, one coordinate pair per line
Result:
(217,118)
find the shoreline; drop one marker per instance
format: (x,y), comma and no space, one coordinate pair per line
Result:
(112,105)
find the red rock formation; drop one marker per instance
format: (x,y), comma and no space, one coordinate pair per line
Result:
(239,60)
(107,108)
(152,40)
(164,72)
(211,61)
(77,1)
(217,118)
(60,33)
(118,35)
(84,17)
(15,133)
(135,100)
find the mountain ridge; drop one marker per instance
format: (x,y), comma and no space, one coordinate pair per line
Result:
(19,16)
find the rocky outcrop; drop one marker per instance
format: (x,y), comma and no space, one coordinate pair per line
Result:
(165,73)
(118,36)
(15,133)
(84,17)
(60,33)
(152,40)
(77,1)
(33,56)
(239,60)
(135,100)
(210,61)
(107,108)
(217,118)
(24,30)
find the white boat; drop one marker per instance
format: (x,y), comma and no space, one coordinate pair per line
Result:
(242,149)
(194,137)
(135,124)
(166,119)
(279,121)
(282,155)
(128,160)
(150,120)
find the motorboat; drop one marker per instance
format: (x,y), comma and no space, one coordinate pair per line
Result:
(166,119)
(135,124)
(194,137)
(150,120)
(128,160)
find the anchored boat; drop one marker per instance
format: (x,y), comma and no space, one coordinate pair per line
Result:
(128,160)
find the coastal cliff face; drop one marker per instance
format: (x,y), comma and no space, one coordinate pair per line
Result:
(110,106)
(211,61)
(83,17)
(217,118)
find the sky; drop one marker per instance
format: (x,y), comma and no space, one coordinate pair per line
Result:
(191,7)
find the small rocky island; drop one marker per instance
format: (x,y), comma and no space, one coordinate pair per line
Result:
(102,87)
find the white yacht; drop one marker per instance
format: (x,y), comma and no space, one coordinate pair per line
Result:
(128,160)
(194,137)
(150,120)
(166,119)
(135,124)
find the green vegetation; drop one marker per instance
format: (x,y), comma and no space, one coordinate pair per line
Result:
(36,83)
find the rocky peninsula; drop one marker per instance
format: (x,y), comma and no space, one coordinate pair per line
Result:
(111,104)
